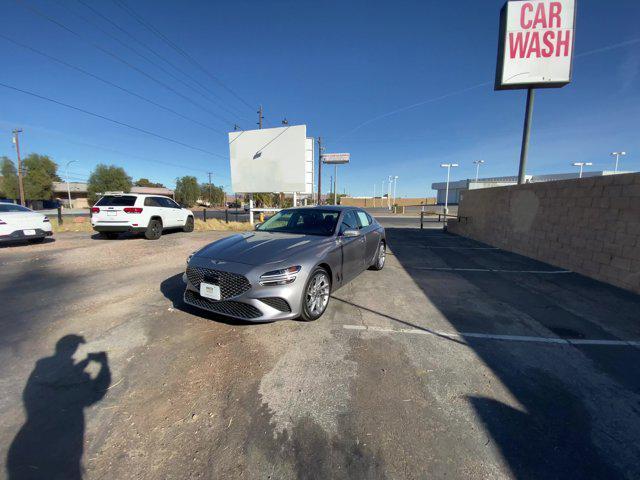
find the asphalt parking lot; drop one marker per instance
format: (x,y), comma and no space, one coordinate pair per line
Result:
(457,360)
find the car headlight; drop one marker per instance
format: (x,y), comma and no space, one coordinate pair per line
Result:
(280,277)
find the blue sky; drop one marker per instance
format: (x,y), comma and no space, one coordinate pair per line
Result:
(331,65)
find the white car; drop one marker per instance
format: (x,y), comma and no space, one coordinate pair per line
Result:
(116,213)
(18,223)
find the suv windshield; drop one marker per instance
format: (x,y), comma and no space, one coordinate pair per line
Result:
(303,221)
(116,201)
(6,207)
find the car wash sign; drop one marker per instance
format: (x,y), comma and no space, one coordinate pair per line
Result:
(536,44)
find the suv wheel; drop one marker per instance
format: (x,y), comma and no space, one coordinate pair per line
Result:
(188,225)
(154,229)
(315,297)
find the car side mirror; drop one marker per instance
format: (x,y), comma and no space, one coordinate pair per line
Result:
(350,233)
(255,227)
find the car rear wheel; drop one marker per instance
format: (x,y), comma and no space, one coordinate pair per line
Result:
(154,230)
(316,295)
(381,256)
(188,226)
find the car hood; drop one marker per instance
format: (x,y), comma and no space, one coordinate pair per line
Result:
(258,248)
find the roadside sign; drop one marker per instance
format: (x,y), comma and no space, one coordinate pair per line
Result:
(536,44)
(337,158)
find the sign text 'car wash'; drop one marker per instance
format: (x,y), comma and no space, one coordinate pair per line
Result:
(536,44)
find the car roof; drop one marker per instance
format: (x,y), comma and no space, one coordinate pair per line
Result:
(337,208)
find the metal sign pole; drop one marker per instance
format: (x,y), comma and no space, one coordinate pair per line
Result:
(525,136)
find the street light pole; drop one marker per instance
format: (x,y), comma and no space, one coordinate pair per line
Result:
(446,195)
(581,165)
(389,193)
(477,164)
(617,155)
(68,187)
(374,195)
(395,181)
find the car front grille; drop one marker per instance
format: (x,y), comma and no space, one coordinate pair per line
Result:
(224,307)
(277,303)
(231,284)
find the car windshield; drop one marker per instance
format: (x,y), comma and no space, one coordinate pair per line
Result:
(9,207)
(303,221)
(116,201)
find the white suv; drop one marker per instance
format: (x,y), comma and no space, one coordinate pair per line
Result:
(116,213)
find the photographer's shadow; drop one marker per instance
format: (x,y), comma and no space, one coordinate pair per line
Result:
(50,443)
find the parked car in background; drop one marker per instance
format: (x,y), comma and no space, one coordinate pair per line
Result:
(116,213)
(288,267)
(18,223)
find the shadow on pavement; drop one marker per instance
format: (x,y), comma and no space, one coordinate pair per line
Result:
(50,443)
(553,436)
(26,243)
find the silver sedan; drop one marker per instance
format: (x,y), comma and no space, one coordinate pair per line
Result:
(288,267)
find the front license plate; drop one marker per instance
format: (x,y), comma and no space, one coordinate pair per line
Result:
(210,291)
(29,232)
(112,214)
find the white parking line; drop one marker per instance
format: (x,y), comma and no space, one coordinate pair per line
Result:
(490,336)
(498,270)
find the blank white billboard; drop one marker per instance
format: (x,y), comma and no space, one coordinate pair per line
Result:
(269,160)
(536,44)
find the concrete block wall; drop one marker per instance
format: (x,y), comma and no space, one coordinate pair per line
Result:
(589,225)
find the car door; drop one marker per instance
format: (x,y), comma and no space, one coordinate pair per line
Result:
(155,208)
(371,235)
(169,213)
(353,248)
(179,213)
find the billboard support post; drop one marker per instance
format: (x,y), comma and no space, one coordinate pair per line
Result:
(335,184)
(522,171)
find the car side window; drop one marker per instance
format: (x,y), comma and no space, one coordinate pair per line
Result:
(165,202)
(349,222)
(151,202)
(363,219)
(172,204)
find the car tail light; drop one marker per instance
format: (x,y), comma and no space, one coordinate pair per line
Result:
(46,219)
(133,210)
(95,210)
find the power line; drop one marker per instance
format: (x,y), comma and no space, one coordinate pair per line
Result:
(217,101)
(108,82)
(122,60)
(160,35)
(117,122)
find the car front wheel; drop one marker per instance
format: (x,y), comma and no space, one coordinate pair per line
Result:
(316,295)
(381,256)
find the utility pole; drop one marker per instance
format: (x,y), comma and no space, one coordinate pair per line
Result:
(335,184)
(68,187)
(319,171)
(260,117)
(210,199)
(16,140)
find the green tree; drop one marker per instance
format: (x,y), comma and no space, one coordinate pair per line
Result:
(145,182)
(187,190)
(9,182)
(213,195)
(107,178)
(41,172)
